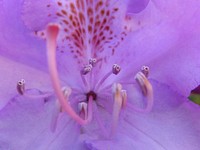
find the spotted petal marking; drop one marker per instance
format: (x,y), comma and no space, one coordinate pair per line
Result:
(88,28)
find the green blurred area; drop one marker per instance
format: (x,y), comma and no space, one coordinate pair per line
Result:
(195,98)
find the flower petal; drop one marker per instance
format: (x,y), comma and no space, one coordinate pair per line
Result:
(176,43)
(126,141)
(179,68)
(135,6)
(12,72)
(166,99)
(16,41)
(151,36)
(172,124)
(44,12)
(25,124)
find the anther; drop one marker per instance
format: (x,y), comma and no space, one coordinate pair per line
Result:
(116,69)
(92,61)
(141,78)
(66,91)
(145,70)
(86,109)
(86,69)
(124,98)
(83,107)
(21,86)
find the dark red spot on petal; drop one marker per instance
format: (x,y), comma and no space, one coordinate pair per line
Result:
(59,3)
(64,12)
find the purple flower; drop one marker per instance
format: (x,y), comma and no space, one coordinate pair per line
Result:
(103,96)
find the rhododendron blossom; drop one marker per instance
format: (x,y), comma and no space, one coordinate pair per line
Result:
(99,74)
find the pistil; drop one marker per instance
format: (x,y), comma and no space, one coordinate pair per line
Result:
(52,33)
(86,69)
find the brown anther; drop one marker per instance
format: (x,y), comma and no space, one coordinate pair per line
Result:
(116,69)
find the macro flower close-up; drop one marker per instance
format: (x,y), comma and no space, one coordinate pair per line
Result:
(99,75)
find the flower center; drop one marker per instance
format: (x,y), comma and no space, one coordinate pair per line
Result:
(87,28)
(120,95)
(87,107)
(91,94)
(87,70)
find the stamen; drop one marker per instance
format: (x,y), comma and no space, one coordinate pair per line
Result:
(86,69)
(140,77)
(52,33)
(124,98)
(21,86)
(90,112)
(66,91)
(118,100)
(85,109)
(22,91)
(147,91)
(82,107)
(92,61)
(145,70)
(115,70)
